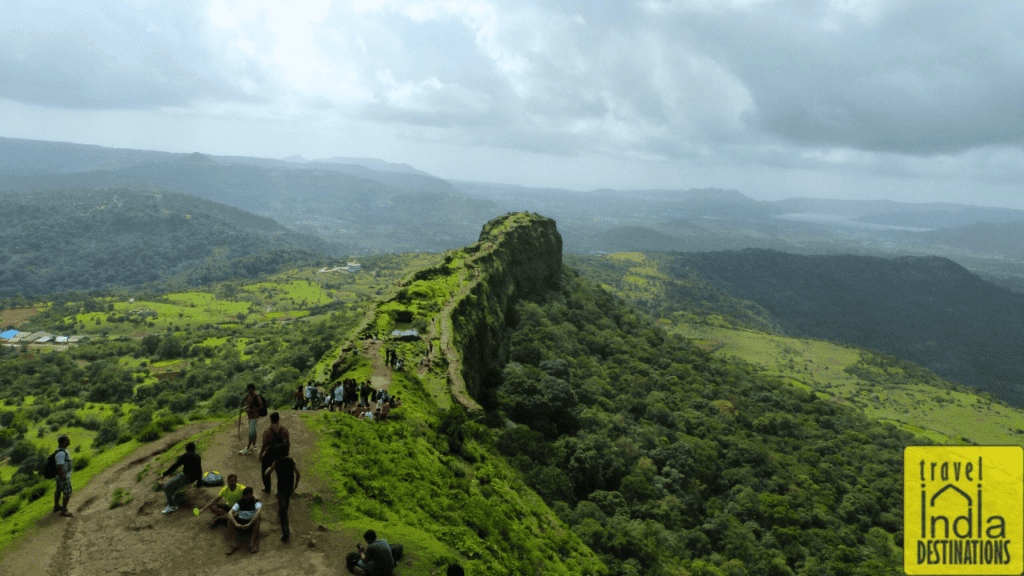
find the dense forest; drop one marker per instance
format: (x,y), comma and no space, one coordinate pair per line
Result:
(927,310)
(87,240)
(662,457)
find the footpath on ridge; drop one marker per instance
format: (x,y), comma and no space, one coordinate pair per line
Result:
(136,539)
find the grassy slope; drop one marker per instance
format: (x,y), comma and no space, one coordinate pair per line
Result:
(471,507)
(944,416)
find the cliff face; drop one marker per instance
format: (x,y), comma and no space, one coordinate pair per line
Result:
(458,309)
(519,256)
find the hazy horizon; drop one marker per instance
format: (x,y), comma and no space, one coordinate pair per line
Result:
(855,99)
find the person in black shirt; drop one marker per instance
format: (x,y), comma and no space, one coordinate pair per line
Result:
(192,471)
(287,481)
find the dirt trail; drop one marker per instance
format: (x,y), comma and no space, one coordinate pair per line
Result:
(137,539)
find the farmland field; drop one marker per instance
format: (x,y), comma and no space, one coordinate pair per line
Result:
(15,317)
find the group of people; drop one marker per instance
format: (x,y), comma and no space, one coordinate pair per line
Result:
(360,400)
(236,504)
(392,359)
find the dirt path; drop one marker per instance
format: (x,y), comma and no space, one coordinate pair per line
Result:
(137,539)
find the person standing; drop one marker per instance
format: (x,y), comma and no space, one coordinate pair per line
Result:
(253,405)
(276,441)
(64,469)
(287,481)
(192,471)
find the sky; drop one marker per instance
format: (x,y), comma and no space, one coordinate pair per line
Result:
(912,101)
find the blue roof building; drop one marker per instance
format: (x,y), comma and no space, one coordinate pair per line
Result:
(9,334)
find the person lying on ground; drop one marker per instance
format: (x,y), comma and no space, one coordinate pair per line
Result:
(376,559)
(63,477)
(192,471)
(221,504)
(245,517)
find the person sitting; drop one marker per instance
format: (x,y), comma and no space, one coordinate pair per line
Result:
(245,517)
(376,415)
(366,415)
(192,471)
(376,558)
(222,503)
(384,412)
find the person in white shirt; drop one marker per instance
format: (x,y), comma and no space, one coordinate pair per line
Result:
(64,469)
(245,517)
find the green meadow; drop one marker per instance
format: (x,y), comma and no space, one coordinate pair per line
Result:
(821,367)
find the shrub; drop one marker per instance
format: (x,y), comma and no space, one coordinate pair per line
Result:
(10,506)
(168,423)
(150,433)
(120,498)
(80,462)
(33,493)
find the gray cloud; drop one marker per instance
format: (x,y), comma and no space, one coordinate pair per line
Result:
(913,90)
(913,77)
(107,55)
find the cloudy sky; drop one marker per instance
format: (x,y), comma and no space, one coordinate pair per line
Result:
(913,101)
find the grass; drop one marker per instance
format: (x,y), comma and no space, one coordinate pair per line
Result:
(120,497)
(446,509)
(30,513)
(934,414)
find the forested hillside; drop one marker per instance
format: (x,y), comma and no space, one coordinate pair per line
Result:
(927,310)
(54,241)
(666,460)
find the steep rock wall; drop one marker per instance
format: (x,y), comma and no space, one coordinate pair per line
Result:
(518,256)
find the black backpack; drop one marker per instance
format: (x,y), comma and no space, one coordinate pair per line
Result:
(263,405)
(351,561)
(50,468)
(276,445)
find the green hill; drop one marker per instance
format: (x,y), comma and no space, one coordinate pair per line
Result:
(548,424)
(54,241)
(928,310)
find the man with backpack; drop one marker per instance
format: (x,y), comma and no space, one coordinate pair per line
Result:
(254,405)
(287,481)
(276,442)
(191,471)
(62,471)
